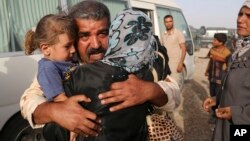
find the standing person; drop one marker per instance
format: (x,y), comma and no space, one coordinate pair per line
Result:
(173,39)
(92,19)
(234,104)
(218,55)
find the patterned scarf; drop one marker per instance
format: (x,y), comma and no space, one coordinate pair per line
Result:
(242,46)
(132,45)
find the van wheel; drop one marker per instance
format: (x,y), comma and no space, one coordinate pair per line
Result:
(18,129)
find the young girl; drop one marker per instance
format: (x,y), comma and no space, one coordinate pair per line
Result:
(54,36)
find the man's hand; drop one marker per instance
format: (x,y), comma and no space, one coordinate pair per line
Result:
(70,115)
(224,113)
(209,103)
(179,67)
(132,92)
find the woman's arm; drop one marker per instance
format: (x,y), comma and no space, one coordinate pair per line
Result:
(135,91)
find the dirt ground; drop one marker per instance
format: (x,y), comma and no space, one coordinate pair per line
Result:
(196,126)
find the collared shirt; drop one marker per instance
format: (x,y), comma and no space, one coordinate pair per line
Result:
(172,42)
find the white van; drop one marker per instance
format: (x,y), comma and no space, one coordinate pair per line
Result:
(17,70)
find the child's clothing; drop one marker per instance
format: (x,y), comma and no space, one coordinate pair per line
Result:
(216,68)
(51,75)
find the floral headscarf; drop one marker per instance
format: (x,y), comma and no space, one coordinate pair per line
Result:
(132,45)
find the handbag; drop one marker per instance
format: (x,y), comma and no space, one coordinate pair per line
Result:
(162,128)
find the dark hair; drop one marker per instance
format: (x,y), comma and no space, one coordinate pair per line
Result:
(168,16)
(89,9)
(221,37)
(47,31)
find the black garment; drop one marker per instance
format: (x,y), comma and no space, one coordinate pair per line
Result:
(125,125)
(53,132)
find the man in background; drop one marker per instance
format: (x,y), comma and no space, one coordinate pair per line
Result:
(174,41)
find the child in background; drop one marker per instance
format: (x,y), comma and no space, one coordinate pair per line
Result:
(218,55)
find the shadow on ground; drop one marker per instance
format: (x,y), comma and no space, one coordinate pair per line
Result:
(196,124)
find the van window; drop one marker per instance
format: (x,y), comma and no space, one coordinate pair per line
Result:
(17,17)
(115,6)
(72,2)
(179,23)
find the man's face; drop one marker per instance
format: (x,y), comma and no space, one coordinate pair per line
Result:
(93,39)
(168,23)
(243,22)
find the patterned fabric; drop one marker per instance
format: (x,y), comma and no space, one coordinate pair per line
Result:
(163,128)
(131,42)
(242,46)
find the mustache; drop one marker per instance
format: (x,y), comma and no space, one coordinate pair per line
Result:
(96,51)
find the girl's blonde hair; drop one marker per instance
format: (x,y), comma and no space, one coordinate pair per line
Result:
(47,31)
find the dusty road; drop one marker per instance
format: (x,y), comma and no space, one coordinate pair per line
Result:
(196,124)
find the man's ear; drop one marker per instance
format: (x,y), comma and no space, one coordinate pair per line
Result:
(45,49)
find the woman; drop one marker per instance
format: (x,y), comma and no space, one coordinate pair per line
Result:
(234,106)
(132,50)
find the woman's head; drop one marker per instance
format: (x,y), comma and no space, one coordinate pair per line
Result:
(243,21)
(54,35)
(131,42)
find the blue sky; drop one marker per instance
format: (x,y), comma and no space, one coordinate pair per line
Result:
(211,13)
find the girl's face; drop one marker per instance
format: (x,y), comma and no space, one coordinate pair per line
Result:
(63,50)
(243,22)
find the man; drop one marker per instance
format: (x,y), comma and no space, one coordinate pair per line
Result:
(92,19)
(218,55)
(174,41)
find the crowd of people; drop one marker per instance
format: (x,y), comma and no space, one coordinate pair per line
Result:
(95,81)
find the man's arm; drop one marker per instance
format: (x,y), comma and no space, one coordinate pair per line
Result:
(31,98)
(69,114)
(183,55)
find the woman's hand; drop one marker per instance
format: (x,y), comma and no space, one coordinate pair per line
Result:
(209,103)
(224,113)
